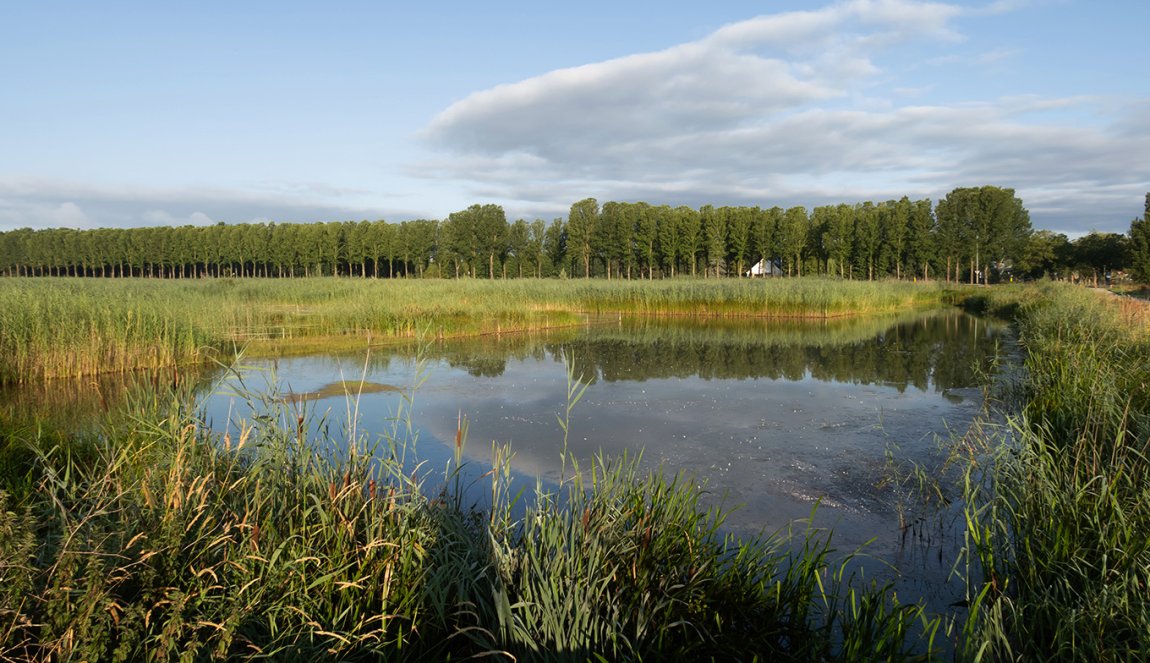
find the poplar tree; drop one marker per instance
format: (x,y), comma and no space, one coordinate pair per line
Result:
(555,245)
(582,222)
(896,231)
(868,237)
(518,238)
(614,236)
(1140,245)
(668,232)
(988,224)
(690,235)
(714,238)
(765,233)
(794,230)
(645,237)
(739,222)
(837,222)
(921,249)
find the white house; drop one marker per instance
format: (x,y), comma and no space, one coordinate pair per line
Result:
(765,267)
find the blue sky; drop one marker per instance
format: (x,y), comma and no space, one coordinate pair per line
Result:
(134,113)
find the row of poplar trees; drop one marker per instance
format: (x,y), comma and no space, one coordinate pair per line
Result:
(973,233)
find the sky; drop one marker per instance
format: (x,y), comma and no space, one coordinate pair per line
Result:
(127,114)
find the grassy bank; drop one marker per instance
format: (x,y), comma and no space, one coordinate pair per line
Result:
(70,327)
(1058,499)
(158,540)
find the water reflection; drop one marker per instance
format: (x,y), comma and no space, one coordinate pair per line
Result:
(84,403)
(773,416)
(939,351)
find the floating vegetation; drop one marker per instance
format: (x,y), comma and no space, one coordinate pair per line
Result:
(342,389)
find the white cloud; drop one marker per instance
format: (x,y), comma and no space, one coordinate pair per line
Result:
(791,108)
(15,213)
(44,203)
(158,217)
(69,215)
(644,96)
(996,56)
(739,74)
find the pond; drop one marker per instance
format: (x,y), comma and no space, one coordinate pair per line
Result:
(774,417)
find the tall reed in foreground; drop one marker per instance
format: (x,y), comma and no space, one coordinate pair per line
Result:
(1058,502)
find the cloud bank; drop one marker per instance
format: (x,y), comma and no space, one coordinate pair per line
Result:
(42,203)
(796,108)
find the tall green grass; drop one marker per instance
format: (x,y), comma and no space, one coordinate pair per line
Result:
(63,327)
(169,542)
(806,297)
(1058,499)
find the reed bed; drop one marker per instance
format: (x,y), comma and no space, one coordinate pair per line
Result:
(67,327)
(62,329)
(166,541)
(1058,498)
(779,298)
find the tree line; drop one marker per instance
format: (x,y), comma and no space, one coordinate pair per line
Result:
(975,234)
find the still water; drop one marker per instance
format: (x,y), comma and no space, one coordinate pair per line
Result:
(773,417)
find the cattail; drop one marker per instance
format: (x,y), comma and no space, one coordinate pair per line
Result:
(371,489)
(255,537)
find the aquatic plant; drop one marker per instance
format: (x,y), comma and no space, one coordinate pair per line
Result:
(54,327)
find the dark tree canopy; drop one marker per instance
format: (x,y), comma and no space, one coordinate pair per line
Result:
(1046,254)
(1097,253)
(978,233)
(984,227)
(1140,245)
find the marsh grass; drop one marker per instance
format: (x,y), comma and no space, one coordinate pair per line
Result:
(64,329)
(276,540)
(1058,497)
(632,566)
(67,327)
